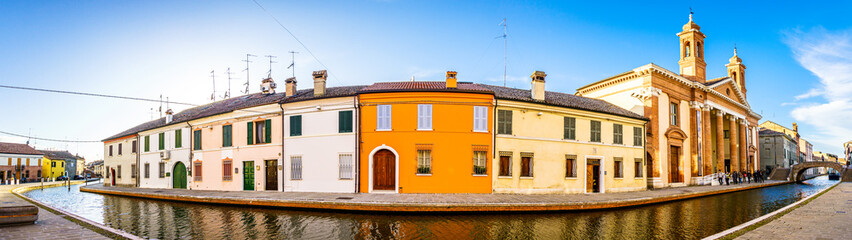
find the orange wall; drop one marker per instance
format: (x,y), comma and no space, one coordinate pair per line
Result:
(452,140)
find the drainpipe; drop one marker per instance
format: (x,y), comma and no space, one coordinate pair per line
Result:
(494,172)
(358,144)
(281,164)
(645,153)
(189,161)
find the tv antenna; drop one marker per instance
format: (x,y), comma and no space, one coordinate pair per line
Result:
(247,71)
(505,47)
(228,93)
(269,74)
(293,62)
(213,75)
(160,110)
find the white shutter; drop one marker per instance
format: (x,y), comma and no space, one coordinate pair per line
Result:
(424,117)
(480,118)
(383,117)
(429,116)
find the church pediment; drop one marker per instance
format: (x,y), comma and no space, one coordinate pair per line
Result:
(728,88)
(675,133)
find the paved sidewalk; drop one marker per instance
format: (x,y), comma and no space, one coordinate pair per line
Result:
(48,225)
(429,202)
(827,217)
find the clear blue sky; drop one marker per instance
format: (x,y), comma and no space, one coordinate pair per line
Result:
(148,48)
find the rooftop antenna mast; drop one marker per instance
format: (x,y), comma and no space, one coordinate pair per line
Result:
(505,47)
(247,71)
(293,62)
(269,74)
(213,75)
(161,105)
(228,93)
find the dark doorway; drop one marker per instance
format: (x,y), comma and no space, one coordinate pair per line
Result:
(675,175)
(272,175)
(593,175)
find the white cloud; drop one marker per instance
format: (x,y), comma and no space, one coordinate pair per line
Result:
(828,55)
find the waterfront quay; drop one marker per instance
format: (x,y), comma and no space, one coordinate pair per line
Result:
(826,217)
(430,202)
(48,225)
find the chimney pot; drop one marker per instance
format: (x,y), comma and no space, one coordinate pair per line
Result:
(290,86)
(452,82)
(537,90)
(319,82)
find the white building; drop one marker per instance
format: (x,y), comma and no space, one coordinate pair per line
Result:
(320,137)
(163,149)
(120,152)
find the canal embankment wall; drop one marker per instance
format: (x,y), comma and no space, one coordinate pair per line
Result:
(430,203)
(92,225)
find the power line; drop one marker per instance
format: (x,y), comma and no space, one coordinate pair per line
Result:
(297,39)
(49,139)
(91,94)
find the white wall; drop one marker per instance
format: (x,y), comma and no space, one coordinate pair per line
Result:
(152,157)
(320,146)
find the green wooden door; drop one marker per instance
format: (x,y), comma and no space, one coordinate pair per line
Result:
(179,176)
(248,175)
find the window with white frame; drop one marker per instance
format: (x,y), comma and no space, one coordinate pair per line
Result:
(424,161)
(424,117)
(383,117)
(345,166)
(479,163)
(480,119)
(296,168)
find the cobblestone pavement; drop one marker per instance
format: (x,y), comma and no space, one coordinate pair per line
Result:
(827,217)
(48,225)
(495,201)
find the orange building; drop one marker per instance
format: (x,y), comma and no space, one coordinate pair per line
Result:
(425,137)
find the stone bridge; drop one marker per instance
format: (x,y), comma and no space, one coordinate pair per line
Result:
(798,169)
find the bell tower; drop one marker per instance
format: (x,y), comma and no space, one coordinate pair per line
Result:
(736,71)
(692,65)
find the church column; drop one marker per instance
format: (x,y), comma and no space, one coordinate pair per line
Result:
(720,142)
(734,140)
(694,113)
(707,140)
(746,166)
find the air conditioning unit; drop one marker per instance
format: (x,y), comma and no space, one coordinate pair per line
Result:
(165,155)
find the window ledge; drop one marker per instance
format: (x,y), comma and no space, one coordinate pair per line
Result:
(480,131)
(424,129)
(295,179)
(504,177)
(618,178)
(384,130)
(344,179)
(527,177)
(424,174)
(571,178)
(480,175)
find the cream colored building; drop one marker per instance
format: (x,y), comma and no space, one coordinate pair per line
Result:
(120,157)
(698,127)
(550,142)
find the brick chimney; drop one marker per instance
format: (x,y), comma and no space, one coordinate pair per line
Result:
(537,89)
(319,82)
(452,82)
(290,86)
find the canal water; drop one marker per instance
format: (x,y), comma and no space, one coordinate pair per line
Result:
(687,219)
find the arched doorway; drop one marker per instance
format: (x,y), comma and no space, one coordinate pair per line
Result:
(384,170)
(179,176)
(112,176)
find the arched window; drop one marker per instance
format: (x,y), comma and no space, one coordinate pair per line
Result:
(686,49)
(733,75)
(698,49)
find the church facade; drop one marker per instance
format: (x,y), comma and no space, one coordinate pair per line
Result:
(699,128)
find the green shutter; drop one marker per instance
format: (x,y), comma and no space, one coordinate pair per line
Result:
(296,125)
(268,131)
(197,140)
(344,122)
(178,139)
(226,136)
(250,133)
(162,141)
(147,143)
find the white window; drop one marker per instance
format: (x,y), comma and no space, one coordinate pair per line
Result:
(480,119)
(383,117)
(424,117)
(346,166)
(296,168)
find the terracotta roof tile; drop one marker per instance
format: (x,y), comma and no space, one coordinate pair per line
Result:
(17,148)
(423,86)
(563,100)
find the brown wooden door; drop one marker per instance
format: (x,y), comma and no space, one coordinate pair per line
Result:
(384,170)
(272,175)
(674,160)
(593,178)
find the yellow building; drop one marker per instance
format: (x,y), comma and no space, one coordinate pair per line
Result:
(53,164)
(550,142)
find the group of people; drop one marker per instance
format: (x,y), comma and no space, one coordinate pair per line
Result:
(741,177)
